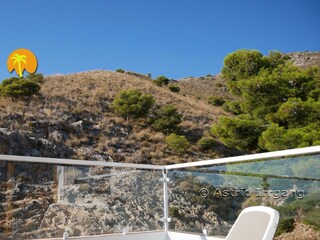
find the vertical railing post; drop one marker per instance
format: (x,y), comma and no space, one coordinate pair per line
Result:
(165,218)
(61,182)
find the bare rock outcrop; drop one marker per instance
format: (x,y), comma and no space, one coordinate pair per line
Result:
(20,143)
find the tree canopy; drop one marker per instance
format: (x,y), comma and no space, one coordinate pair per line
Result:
(277,103)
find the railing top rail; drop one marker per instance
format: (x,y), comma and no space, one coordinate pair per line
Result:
(243,158)
(61,161)
(250,157)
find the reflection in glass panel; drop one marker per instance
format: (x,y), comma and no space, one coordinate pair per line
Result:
(45,200)
(211,197)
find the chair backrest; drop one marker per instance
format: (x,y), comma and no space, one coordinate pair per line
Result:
(255,223)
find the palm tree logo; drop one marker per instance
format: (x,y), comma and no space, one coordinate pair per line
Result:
(20,60)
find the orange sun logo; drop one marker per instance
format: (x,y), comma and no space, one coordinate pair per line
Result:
(20,60)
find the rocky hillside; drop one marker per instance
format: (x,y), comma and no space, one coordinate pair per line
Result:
(305,59)
(73,118)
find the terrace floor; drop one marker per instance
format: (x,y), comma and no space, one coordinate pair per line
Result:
(154,235)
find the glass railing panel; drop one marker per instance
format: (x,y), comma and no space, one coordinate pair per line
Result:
(26,192)
(46,200)
(212,197)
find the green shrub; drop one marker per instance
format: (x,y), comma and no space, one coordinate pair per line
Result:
(132,103)
(35,77)
(286,224)
(312,219)
(174,212)
(9,81)
(167,119)
(206,143)
(18,88)
(161,80)
(216,100)
(300,206)
(174,88)
(120,70)
(306,209)
(178,144)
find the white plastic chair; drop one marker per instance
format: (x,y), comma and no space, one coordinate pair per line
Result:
(255,223)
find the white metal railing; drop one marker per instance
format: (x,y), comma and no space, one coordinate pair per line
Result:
(61,161)
(249,157)
(243,158)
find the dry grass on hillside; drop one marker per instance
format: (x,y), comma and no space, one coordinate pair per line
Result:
(87,90)
(204,87)
(88,97)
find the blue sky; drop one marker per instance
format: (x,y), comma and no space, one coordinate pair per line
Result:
(169,37)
